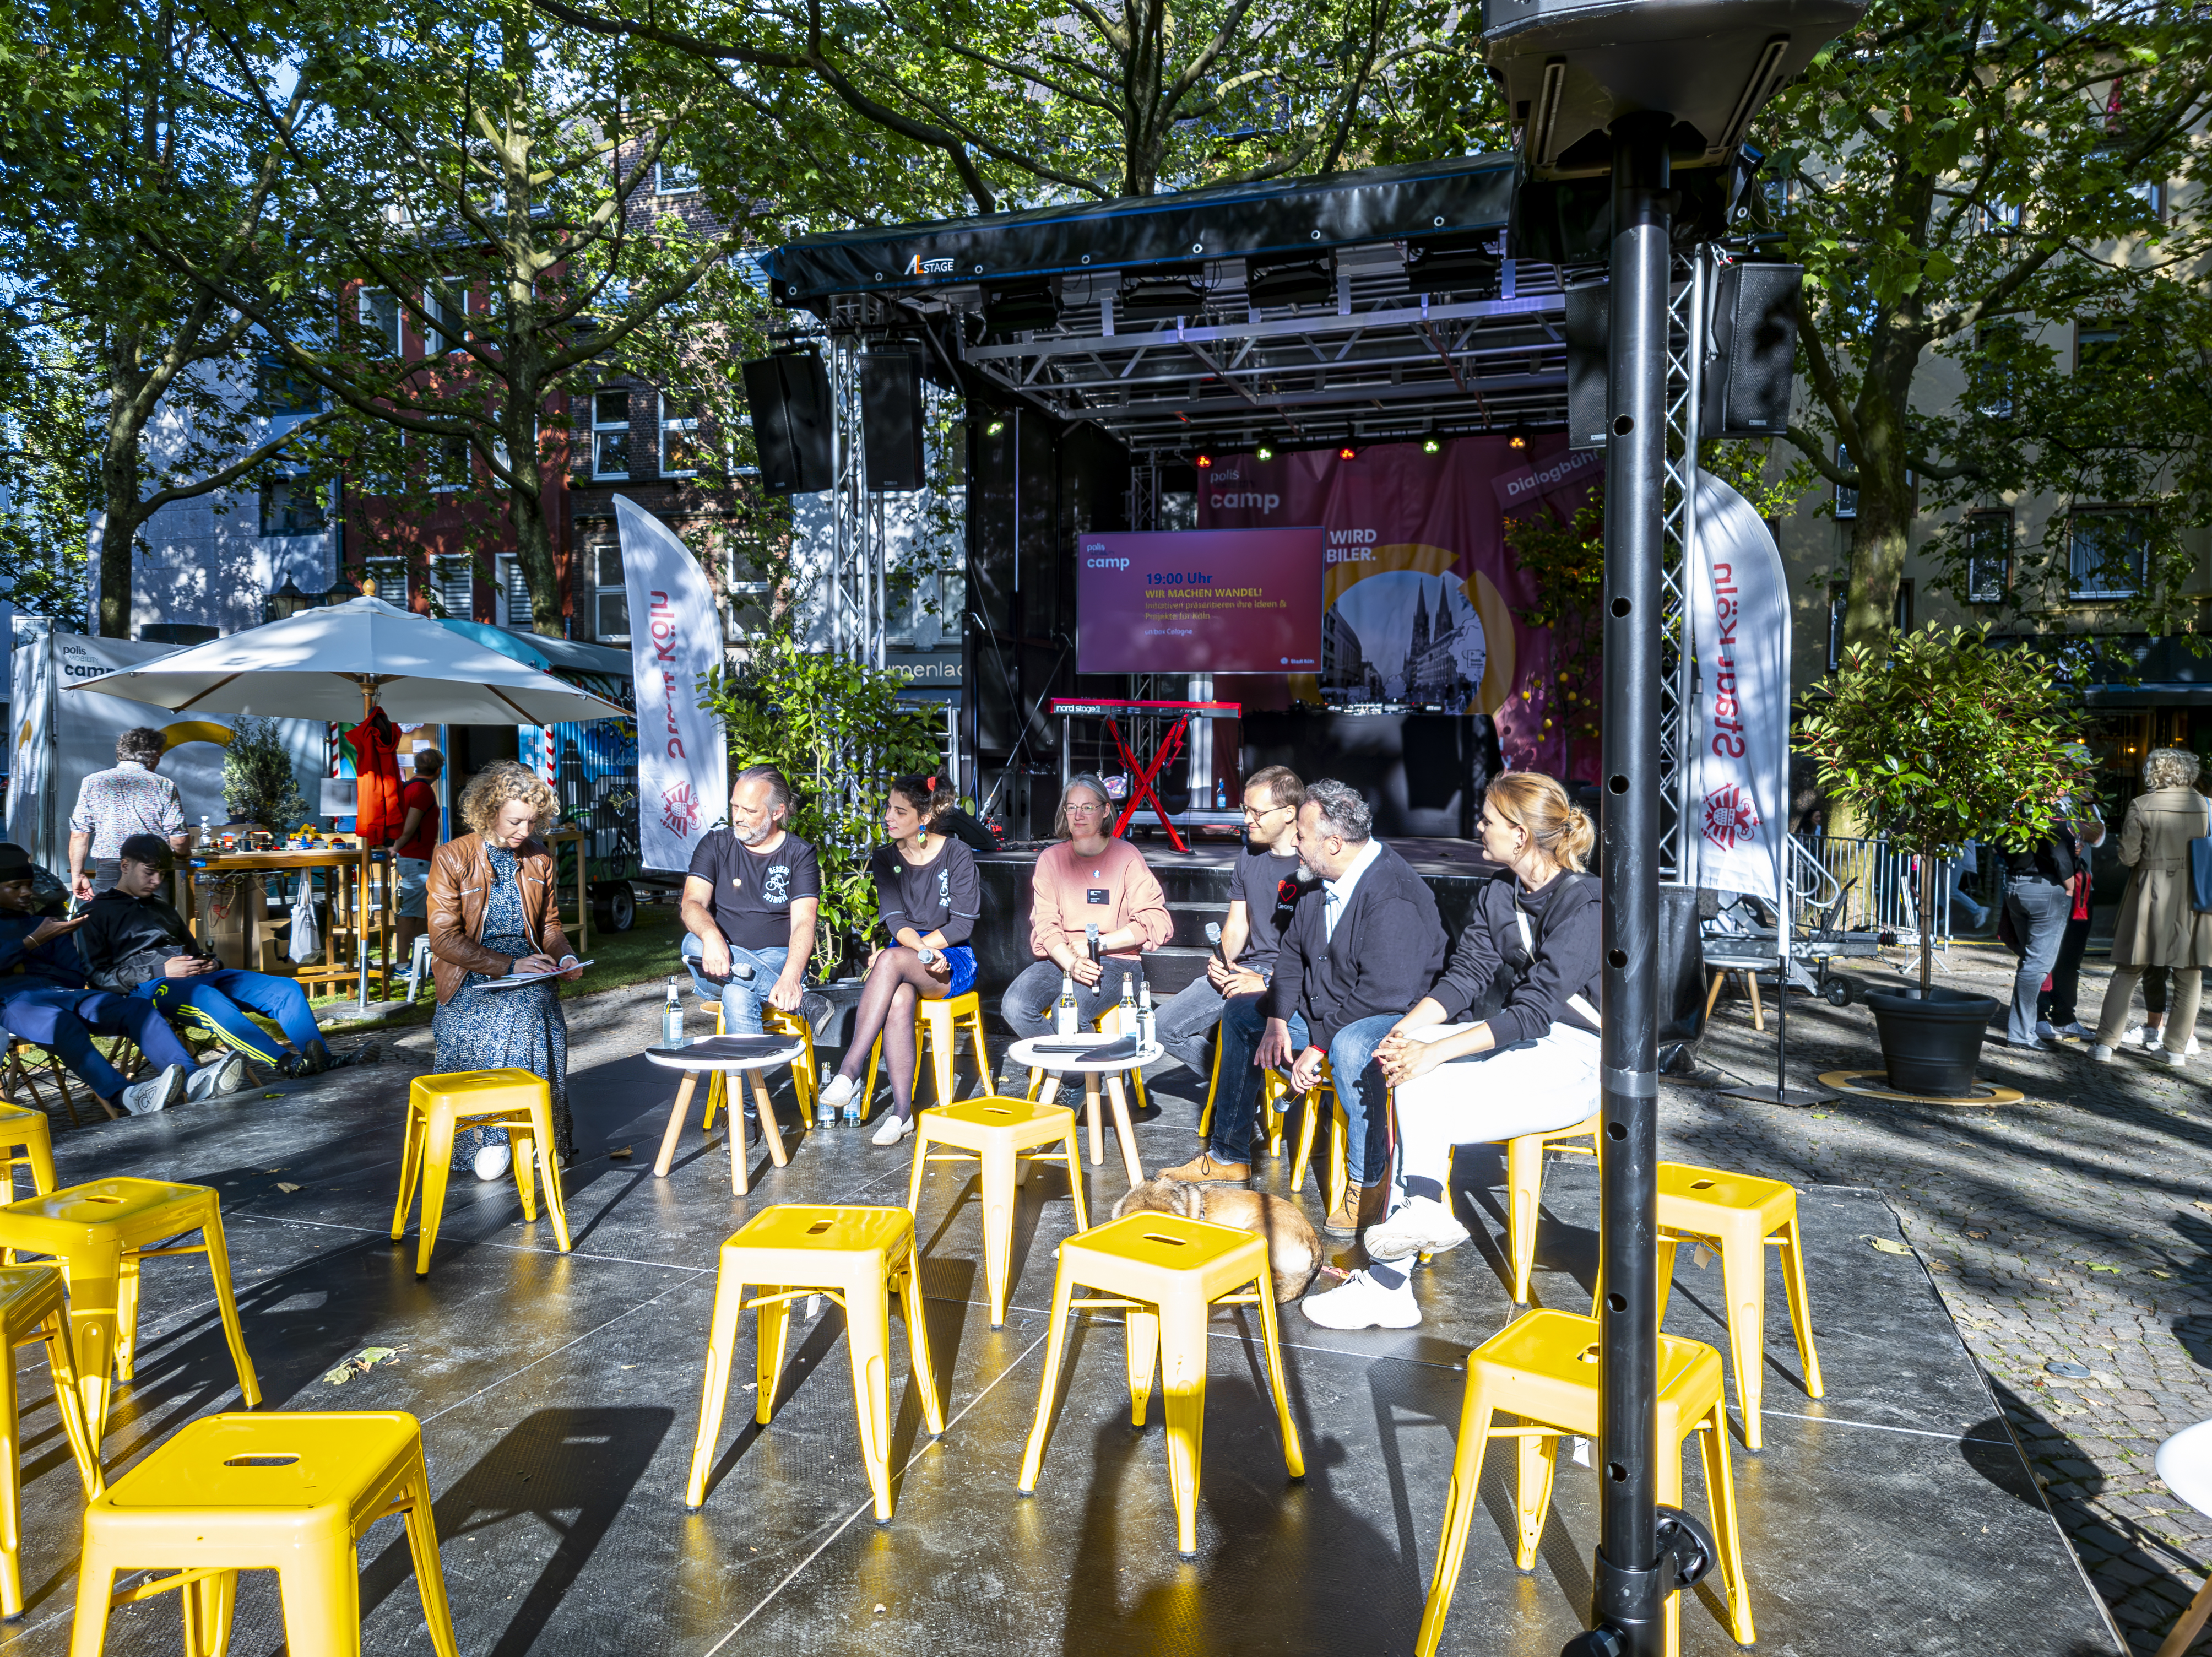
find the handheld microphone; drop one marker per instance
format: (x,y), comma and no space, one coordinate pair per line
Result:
(741,972)
(1213,937)
(1090,937)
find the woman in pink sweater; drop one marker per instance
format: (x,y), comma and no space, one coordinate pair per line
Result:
(1090,879)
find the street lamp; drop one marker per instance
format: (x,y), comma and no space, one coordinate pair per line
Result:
(287,601)
(1603,90)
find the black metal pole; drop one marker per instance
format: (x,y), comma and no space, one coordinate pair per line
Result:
(1630,1582)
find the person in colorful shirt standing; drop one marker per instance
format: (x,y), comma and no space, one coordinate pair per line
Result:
(114,805)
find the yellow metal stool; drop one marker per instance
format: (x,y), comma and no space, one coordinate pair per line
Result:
(1524,1193)
(1168,1273)
(27,1141)
(439,1107)
(855,1256)
(99,1233)
(999,1134)
(1743,1216)
(937,1033)
(1543,1368)
(1331,1181)
(34,1308)
(291,1493)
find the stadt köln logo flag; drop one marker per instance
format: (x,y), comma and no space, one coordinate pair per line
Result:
(1740,623)
(675,638)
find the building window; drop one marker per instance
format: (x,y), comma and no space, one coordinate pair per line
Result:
(610,434)
(2106,555)
(1999,218)
(514,598)
(449,464)
(1994,370)
(2096,345)
(1901,618)
(1847,498)
(445,306)
(674,179)
(610,596)
(2153,199)
(1989,556)
(457,589)
(379,321)
(279,388)
(292,506)
(679,438)
(390,576)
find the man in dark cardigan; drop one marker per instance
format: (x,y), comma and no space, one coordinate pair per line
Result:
(1363,945)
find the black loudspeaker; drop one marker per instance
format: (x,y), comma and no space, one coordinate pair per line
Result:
(1755,356)
(789,395)
(890,420)
(1589,335)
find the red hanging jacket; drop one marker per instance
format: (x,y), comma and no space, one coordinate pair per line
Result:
(375,745)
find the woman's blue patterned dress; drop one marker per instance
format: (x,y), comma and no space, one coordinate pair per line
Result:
(523,1029)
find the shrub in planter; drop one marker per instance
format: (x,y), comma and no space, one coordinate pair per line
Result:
(1933,739)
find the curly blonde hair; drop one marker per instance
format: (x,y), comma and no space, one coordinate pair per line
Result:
(2169,768)
(498,783)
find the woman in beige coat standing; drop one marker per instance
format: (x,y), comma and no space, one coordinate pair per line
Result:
(2157,926)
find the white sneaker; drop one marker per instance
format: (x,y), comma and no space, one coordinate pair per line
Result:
(1423,1226)
(2132,1037)
(2044,1028)
(144,1098)
(223,1076)
(834,1097)
(2101,1054)
(895,1127)
(493,1161)
(2175,1059)
(2076,1030)
(1363,1303)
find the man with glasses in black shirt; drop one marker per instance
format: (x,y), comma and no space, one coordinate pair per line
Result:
(1262,892)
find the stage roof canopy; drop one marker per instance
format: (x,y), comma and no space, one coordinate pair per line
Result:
(1353,307)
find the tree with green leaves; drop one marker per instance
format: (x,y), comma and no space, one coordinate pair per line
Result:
(1966,183)
(122,125)
(488,196)
(1933,739)
(1002,104)
(48,376)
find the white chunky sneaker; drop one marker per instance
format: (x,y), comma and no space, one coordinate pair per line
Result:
(2134,1036)
(493,1161)
(895,1127)
(1423,1226)
(1363,1303)
(223,1076)
(2101,1054)
(155,1094)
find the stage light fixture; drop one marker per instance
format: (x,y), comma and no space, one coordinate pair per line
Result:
(1204,462)
(1345,453)
(994,427)
(1264,452)
(1519,438)
(1430,447)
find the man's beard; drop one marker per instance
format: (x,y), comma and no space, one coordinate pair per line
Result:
(753,837)
(1305,873)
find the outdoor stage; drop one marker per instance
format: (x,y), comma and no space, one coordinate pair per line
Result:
(558,1397)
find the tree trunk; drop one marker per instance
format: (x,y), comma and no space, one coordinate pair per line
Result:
(119,487)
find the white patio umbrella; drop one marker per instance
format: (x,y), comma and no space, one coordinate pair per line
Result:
(338,663)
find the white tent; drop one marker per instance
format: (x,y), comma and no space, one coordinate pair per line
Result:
(335,663)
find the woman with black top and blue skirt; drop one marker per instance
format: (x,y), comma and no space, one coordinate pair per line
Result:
(1530,1067)
(928,894)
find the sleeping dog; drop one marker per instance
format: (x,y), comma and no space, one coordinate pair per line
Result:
(1293,1248)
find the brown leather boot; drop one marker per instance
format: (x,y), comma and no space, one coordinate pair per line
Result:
(1204,1170)
(1361,1207)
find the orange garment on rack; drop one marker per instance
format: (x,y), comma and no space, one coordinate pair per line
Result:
(377,813)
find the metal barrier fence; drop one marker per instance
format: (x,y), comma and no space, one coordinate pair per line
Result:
(1878,884)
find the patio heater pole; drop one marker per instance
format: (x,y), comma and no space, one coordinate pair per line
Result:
(1631,1580)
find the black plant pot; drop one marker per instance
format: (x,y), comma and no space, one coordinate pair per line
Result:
(1931,1043)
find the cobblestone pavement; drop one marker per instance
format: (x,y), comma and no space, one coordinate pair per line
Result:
(2072,1229)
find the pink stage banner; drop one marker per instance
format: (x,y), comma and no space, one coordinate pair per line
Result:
(1198,601)
(1419,593)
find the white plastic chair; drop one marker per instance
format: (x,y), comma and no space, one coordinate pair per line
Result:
(2184,1462)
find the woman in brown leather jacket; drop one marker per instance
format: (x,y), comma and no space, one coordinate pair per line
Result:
(493,912)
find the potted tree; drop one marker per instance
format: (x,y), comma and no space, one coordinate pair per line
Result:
(1932,740)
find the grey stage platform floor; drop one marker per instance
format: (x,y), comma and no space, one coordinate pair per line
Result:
(559,1396)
